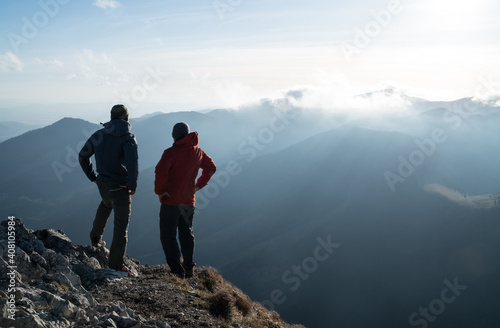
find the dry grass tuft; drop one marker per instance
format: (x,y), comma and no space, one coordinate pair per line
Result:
(181,284)
(210,279)
(221,305)
(243,304)
(229,303)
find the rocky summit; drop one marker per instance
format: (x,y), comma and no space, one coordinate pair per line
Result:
(46,282)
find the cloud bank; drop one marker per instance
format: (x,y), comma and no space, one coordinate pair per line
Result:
(10,62)
(106,4)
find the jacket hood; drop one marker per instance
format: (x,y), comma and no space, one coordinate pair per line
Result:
(117,127)
(189,140)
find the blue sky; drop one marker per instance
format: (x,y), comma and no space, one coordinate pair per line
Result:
(222,53)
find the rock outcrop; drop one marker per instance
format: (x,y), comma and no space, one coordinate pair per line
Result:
(48,282)
(49,279)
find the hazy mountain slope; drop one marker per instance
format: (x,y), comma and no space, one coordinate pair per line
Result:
(154,134)
(297,189)
(226,135)
(40,164)
(9,129)
(468,158)
(402,244)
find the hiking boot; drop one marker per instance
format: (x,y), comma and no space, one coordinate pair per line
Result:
(98,242)
(188,270)
(178,274)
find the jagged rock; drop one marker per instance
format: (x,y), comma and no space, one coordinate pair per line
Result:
(57,285)
(24,293)
(63,308)
(25,239)
(91,254)
(61,270)
(92,262)
(52,282)
(40,260)
(55,239)
(28,269)
(25,319)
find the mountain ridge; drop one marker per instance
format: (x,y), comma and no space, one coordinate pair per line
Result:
(53,283)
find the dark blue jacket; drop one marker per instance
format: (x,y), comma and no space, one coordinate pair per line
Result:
(115,150)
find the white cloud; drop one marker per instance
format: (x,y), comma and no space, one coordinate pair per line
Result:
(334,93)
(50,63)
(235,94)
(106,4)
(9,61)
(101,68)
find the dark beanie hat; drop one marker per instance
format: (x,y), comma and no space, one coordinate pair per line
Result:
(119,111)
(180,130)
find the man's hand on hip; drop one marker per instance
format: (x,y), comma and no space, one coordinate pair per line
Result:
(130,192)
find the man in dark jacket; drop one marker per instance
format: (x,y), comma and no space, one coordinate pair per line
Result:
(175,184)
(115,150)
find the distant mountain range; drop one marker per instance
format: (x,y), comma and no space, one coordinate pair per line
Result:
(10,129)
(331,219)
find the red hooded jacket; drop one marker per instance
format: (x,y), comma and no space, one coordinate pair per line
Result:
(177,169)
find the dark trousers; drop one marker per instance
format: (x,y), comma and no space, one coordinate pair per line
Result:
(173,218)
(119,200)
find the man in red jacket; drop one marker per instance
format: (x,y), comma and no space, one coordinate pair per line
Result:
(175,184)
